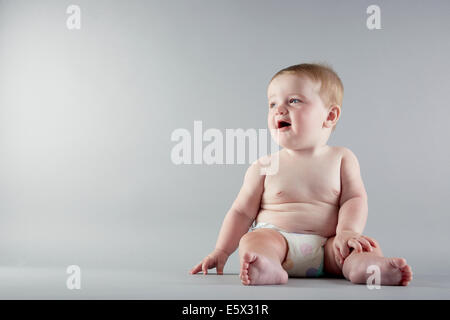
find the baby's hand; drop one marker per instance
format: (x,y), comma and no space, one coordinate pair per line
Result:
(345,240)
(217,259)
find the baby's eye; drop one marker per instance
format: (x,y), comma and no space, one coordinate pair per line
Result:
(290,101)
(271,105)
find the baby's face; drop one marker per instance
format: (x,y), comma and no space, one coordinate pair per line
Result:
(296,112)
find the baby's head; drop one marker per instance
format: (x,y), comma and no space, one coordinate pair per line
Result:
(305,103)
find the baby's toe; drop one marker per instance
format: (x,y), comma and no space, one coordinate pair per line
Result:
(406,270)
(406,275)
(245,280)
(405,282)
(399,263)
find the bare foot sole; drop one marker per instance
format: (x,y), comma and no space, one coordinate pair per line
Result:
(257,269)
(394,271)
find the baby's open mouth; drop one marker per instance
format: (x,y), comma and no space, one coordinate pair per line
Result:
(282,124)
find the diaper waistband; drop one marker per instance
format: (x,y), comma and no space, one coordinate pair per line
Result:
(261,225)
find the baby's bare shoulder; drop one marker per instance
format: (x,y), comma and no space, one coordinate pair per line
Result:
(349,163)
(341,151)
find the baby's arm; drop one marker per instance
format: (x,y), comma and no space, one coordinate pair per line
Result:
(353,210)
(237,221)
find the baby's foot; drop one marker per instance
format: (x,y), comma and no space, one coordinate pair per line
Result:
(257,269)
(394,271)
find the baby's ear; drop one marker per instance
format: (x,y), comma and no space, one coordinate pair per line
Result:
(333,115)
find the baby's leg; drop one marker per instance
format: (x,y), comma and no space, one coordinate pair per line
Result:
(261,254)
(394,271)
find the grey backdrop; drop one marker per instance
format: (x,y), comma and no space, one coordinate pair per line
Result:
(86,117)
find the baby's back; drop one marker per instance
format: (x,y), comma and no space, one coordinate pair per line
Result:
(303,196)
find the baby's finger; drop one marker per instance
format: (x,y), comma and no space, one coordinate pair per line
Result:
(366,244)
(205,266)
(373,243)
(196,268)
(355,245)
(338,257)
(344,251)
(219,267)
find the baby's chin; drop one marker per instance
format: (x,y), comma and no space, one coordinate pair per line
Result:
(283,140)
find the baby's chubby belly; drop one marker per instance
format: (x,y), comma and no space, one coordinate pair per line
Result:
(303,196)
(301,217)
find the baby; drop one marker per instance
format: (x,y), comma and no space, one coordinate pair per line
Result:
(310,214)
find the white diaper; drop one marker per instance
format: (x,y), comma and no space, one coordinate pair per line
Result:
(305,253)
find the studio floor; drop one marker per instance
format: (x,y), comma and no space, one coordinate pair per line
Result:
(50,283)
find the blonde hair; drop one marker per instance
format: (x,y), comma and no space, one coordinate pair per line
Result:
(331,87)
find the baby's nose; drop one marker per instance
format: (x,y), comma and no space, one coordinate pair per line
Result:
(281,110)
